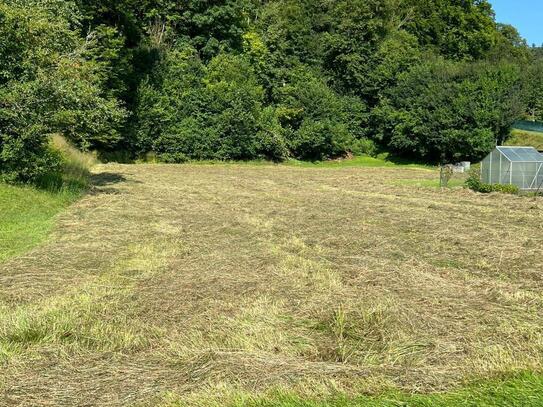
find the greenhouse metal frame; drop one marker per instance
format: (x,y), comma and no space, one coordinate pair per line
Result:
(520,166)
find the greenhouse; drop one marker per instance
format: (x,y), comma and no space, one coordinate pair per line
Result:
(520,166)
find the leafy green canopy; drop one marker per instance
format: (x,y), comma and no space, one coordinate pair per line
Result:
(444,110)
(47,87)
(230,79)
(188,110)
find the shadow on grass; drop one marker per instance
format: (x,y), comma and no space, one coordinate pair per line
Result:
(106,179)
(105,182)
(405,161)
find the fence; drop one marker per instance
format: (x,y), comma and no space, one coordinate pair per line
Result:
(528,126)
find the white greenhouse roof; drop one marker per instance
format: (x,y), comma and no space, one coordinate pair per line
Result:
(521,154)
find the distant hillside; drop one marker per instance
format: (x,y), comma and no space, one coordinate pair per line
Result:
(527,135)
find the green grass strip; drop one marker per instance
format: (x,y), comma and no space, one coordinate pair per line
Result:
(523,390)
(27,216)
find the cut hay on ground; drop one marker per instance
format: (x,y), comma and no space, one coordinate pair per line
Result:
(200,281)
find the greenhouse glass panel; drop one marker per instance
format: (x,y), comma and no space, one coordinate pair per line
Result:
(520,166)
(522,154)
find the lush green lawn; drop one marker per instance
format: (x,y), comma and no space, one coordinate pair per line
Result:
(360,161)
(525,390)
(27,215)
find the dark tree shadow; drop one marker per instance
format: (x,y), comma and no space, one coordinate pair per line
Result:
(107,178)
(395,159)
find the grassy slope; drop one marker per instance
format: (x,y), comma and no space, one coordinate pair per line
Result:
(27,217)
(526,138)
(27,213)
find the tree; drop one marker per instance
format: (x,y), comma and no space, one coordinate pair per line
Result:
(456,29)
(229,79)
(451,110)
(349,46)
(319,123)
(193,111)
(533,77)
(509,45)
(46,87)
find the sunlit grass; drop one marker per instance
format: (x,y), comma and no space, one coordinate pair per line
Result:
(239,285)
(363,161)
(28,212)
(456,182)
(381,161)
(522,390)
(28,216)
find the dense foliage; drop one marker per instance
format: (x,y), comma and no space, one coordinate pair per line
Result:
(47,86)
(449,110)
(230,79)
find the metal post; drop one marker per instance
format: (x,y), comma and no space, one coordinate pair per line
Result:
(511,173)
(490,167)
(500,169)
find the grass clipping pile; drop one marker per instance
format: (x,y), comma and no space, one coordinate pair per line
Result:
(196,283)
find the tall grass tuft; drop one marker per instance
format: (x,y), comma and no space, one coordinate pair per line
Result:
(76,165)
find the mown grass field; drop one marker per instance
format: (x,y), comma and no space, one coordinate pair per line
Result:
(244,285)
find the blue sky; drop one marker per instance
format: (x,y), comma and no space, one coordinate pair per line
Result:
(525,15)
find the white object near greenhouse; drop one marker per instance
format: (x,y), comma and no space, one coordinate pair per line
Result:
(520,166)
(462,167)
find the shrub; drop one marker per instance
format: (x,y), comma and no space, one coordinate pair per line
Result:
(318,122)
(271,136)
(505,188)
(365,146)
(47,87)
(25,158)
(80,111)
(474,183)
(73,171)
(320,140)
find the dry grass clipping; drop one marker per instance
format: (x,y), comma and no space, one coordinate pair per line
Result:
(201,280)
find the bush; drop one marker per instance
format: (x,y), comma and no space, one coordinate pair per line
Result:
(271,136)
(321,140)
(365,146)
(505,188)
(80,111)
(73,170)
(318,122)
(26,157)
(474,183)
(188,110)
(47,87)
